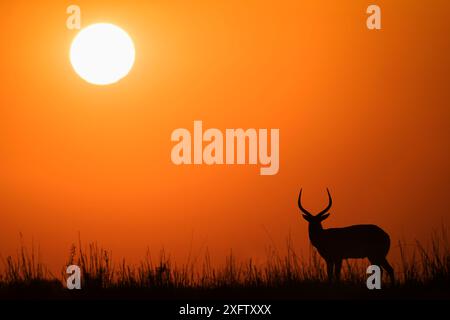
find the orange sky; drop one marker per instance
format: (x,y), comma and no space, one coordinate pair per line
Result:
(365,113)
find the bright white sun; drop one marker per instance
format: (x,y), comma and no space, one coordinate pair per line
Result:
(102,53)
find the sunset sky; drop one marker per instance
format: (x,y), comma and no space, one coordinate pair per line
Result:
(363,112)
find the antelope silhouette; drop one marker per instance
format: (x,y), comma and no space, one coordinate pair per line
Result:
(356,241)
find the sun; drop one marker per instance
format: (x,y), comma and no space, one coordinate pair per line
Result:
(102,53)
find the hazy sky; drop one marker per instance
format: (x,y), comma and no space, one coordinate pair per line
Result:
(365,113)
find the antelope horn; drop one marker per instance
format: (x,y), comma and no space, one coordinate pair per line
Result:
(330,202)
(306,212)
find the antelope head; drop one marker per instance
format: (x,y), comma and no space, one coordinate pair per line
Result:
(315,220)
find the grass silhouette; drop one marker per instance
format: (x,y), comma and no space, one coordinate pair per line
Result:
(423,273)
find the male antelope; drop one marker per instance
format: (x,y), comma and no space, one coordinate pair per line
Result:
(357,241)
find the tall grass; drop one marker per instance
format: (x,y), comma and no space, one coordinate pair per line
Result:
(24,269)
(419,265)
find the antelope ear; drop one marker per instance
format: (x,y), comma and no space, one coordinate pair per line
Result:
(307,218)
(324,216)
